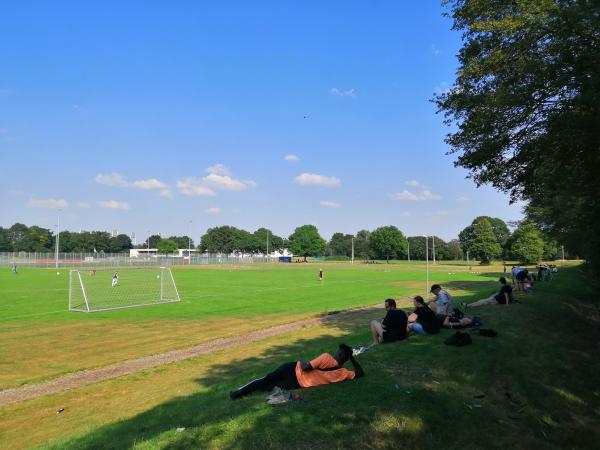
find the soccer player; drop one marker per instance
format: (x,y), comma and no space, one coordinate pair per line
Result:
(93,272)
(324,369)
(320,274)
(115,279)
(14,268)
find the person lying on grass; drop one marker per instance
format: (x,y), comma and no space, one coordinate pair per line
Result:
(393,326)
(423,319)
(504,297)
(324,369)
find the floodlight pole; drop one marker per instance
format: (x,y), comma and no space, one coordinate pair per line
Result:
(267,245)
(57,239)
(352,260)
(433,244)
(148,242)
(563,254)
(468,262)
(408,242)
(189,242)
(426,265)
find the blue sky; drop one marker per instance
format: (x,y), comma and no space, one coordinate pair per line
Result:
(144,116)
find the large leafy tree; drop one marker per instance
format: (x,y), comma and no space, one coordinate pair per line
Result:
(499,228)
(484,246)
(388,242)
(120,243)
(455,251)
(340,244)
(166,246)
(361,245)
(276,243)
(183,241)
(306,241)
(527,244)
(526,106)
(224,239)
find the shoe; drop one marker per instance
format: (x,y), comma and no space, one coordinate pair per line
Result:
(234,395)
(359,350)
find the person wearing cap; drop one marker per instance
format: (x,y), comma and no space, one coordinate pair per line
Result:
(324,369)
(442,301)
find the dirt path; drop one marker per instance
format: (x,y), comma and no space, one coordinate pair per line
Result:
(86,377)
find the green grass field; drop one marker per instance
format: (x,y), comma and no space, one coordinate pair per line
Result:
(534,386)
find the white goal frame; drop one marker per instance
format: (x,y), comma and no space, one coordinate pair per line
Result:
(75,276)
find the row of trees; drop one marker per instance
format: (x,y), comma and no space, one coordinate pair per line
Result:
(21,238)
(489,238)
(524,112)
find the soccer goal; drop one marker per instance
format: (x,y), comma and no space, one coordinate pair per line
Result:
(104,289)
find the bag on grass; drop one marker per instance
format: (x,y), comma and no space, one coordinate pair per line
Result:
(459,339)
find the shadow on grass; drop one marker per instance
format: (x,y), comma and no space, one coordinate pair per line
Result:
(517,390)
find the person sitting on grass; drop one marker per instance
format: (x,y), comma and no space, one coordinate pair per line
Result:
(393,326)
(504,297)
(442,301)
(324,369)
(423,319)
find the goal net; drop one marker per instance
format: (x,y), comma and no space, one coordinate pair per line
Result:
(104,289)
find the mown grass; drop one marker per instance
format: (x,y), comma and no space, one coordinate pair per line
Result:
(42,340)
(536,385)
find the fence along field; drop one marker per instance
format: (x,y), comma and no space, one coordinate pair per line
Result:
(42,339)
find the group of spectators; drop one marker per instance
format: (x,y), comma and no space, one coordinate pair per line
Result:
(426,318)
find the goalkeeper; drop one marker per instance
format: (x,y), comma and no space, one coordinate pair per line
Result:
(115,279)
(324,369)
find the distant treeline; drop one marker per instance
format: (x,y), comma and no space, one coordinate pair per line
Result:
(486,239)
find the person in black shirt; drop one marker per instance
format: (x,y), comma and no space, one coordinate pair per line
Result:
(392,327)
(423,320)
(504,297)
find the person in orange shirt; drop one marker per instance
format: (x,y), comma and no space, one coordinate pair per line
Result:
(324,369)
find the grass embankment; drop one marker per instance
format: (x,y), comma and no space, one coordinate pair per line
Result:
(533,386)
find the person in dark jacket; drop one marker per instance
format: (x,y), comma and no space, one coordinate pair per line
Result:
(393,326)
(423,320)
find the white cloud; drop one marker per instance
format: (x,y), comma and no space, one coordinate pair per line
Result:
(213,210)
(307,179)
(339,93)
(82,205)
(49,203)
(329,204)
(218,169)
(194,186)
(413,183)
(435,50)
(424,195)
(150,183)
(406,214)
(292,158)
(463,199)
(218,178)
(117,180)
(111,179)
(226,183)
(113,204)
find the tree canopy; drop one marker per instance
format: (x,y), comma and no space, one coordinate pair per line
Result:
(484,246)
(306,241)
(388,243)
(527,244)
(525,107)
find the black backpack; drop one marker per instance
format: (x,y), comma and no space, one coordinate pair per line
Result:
(459,339)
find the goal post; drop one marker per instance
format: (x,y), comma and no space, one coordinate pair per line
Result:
(106,289)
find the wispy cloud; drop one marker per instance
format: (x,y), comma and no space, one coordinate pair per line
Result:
(307,179)
(194,186)
(115,179)
(421,196)
(463,199)
(83,205)
(214,210)
(292,158)
(113,204)
(49,203)
(412,183)
(329,204)
(435,50)
(219,178)
(406,214)
(340,93)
